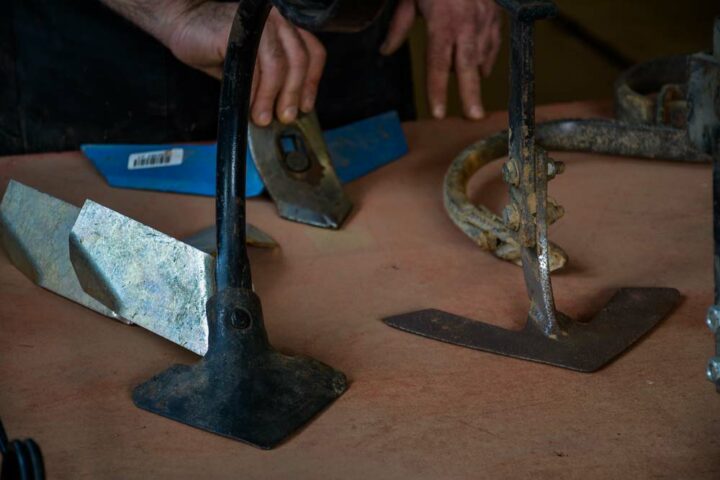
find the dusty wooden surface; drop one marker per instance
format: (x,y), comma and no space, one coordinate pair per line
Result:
(416,408)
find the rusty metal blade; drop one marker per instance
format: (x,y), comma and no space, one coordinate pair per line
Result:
(584,347)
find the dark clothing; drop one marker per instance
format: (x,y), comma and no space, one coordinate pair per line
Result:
(72,72)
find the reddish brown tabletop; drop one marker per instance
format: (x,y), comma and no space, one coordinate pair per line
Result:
(416,408)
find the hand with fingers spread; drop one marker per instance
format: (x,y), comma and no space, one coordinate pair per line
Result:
(290,61)
(462,34)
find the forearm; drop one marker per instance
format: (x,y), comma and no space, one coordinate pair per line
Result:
(157,17)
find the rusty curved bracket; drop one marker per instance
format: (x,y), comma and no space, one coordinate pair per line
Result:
(490,232)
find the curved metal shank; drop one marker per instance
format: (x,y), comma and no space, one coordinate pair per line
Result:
(243,388)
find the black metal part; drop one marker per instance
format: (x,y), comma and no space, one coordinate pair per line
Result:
(703,126)
(296,168)
(331,15)
(584,347)
(549,336)
(243,388)
(21,459)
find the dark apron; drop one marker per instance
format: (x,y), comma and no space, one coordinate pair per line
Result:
(73,72)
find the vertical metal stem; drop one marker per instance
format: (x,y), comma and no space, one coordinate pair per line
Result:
(232,265)
(528,193)
(522,91)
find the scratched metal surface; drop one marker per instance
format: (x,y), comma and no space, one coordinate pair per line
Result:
(155,281)
(34,228)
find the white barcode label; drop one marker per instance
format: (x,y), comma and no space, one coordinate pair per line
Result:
(158,158)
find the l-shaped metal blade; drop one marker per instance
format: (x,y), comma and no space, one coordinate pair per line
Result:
(584,347)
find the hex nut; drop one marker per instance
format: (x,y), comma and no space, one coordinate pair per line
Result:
(713,369)
(511,217)
(555,167)
(713,318)
(510,173)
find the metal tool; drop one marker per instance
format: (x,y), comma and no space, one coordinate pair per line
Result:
(654,93)
(295,166)
(151,279)
(684,92)
(703,126)
(21,459)
(491,232)
(206,240)
(36,231)
(549,336)
(243,388)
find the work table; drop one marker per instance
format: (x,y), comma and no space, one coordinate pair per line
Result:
(415,408)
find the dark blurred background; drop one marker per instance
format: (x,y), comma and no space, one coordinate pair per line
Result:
(568,68)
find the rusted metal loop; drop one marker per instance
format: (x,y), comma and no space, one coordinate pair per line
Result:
(490,232)
(330,15)
(478,222)
(634,89)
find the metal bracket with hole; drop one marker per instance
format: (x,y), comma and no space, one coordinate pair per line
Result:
(296,168)
(522,235)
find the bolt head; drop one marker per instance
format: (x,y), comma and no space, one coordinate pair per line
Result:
(240,319)
(555,167)
(713,318)
(713,369)
(297,162)
(510,173)
(511,217)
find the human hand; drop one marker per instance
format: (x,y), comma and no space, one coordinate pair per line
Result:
(464,34)
(289,64)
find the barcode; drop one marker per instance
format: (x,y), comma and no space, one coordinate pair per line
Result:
(159,158)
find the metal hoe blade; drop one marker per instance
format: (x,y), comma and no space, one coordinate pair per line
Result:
(295,165)
(243,388)
(36,231)
(549,336)
(584,347)
(153,280)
